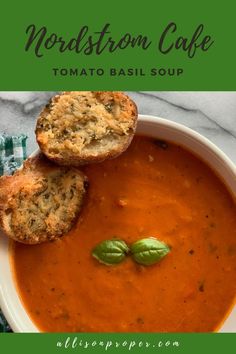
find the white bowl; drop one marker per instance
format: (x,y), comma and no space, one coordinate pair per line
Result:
(151,126)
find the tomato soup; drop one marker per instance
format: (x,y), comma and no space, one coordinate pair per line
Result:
(154,189)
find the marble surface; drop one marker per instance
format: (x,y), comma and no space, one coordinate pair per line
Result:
(213,114)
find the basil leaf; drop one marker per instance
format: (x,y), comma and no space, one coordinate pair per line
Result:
(110,251)
(149,251)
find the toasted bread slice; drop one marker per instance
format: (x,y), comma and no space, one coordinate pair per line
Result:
(80,127)
(41,201)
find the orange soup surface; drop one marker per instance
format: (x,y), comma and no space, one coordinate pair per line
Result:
(153,189)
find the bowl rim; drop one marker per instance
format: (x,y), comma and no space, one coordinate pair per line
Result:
(13,317)
(192,133)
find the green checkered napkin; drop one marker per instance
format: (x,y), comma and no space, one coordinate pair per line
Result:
(12,155)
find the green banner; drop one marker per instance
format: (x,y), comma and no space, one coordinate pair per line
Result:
(124,45)
(118,343)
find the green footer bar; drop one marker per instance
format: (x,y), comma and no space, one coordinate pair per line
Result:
(118,343)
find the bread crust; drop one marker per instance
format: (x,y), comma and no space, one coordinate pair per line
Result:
(41,186)
(118,101)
